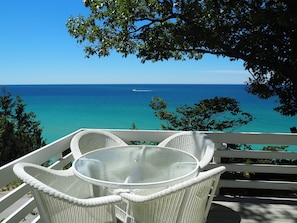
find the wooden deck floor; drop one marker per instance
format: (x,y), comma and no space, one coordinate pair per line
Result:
(227,209)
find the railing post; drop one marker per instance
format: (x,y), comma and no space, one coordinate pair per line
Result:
(218,160)
(219,146)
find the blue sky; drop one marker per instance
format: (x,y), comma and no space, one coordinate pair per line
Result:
(35,48)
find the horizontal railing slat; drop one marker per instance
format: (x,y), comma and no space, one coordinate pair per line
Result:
(11,197)
(21,212)
(256,154)
(253,138)
(258,184)
(259,168)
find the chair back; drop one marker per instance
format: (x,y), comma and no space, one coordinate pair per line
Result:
(199,195)
(195,143)
(88,140)
(62,197)
(188,201)
(149,209)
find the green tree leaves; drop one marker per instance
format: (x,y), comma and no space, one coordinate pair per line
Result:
(210,114)
(262,33)
(19,131)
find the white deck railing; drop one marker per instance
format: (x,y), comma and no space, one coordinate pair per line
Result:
(60,151)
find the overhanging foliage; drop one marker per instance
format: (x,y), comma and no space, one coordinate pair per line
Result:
(262,33)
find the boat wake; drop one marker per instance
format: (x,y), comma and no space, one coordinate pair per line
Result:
(141,90)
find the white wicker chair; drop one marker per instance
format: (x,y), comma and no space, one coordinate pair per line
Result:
(62,197)
(88,140)
(189,201)
(92,139)
(197,144)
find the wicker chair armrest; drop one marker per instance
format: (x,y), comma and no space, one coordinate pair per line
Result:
(52,191)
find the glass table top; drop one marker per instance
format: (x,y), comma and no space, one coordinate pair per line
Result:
(133,167)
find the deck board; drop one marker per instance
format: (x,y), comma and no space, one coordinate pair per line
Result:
(227,209)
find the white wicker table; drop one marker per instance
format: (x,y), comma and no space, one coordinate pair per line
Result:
(136,167)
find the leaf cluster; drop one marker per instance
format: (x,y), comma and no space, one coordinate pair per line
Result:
(262,33)
(19,131)
(218,113)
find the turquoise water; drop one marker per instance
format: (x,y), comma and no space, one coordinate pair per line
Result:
(63,109)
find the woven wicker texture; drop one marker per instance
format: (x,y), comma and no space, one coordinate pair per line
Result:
(88,140)
(197,144)
(185,202)
(62,197)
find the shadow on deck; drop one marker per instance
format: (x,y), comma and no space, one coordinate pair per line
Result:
(227,209)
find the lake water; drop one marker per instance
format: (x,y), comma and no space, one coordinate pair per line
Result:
(63,109)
